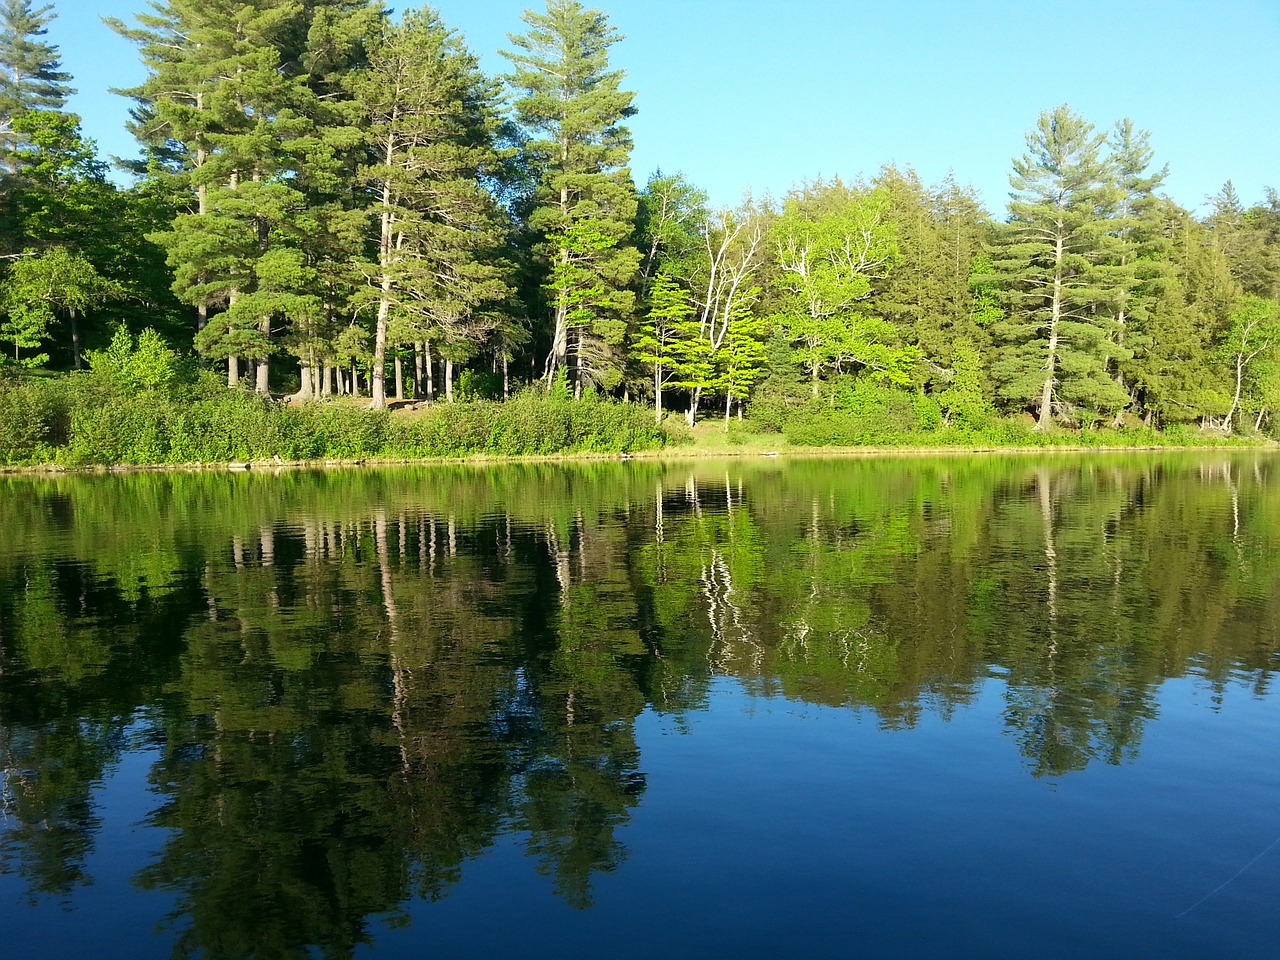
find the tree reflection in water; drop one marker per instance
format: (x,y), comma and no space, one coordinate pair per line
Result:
(360,681)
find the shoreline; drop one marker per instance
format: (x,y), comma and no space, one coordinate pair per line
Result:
(663,454)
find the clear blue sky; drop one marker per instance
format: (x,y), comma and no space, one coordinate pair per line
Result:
(758,95)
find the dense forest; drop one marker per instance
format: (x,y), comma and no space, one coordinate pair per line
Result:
(331,201)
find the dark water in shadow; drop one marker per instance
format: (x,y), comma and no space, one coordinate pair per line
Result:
(904,707)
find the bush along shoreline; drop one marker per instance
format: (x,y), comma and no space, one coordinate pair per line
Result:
(144,406)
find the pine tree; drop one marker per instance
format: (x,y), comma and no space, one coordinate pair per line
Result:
(230,114)
(31,75)
(430,118)
(1247,238)
(1057,340)
(1172,369)
(573,108)
(926,295)
(1134,264)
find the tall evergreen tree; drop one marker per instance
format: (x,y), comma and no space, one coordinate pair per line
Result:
(230,111)
(1247,238)
(31,75)
(1171,369)
(926,295)
(1057,338)
(1135,259)
(573,109)
(430,117)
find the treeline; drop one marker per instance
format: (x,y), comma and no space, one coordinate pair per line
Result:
(331,200)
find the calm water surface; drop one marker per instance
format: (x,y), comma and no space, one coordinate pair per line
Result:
(884,708)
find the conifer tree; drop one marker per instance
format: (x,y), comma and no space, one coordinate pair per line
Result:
(1134,262)
(1171,369)
(230,113)
(926,295)
(573,109)
(31,75)
(1057,340)
(430,117)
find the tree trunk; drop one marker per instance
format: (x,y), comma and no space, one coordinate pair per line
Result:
(506,379)
(399,377)
(431,372)
(233,371)
(576,360)
(448,379)
(560,335)
(377,384)
(657,393)
(75,339)
(692,415)
(417,371)
(1045,418)
(264,377)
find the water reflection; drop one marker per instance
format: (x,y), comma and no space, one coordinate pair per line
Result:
(357,682)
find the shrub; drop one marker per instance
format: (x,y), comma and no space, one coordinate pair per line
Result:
(29,417)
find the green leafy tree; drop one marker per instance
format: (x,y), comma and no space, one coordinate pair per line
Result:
(131,363)
(670,222)
(723,279)
(571,105)
(56,283)
(832,242)
(1253,336)
(668,340)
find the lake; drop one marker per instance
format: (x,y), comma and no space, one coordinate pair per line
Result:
(998,707)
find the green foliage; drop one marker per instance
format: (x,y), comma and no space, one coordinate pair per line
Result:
(1061,338)
(129,364)
(111,416)
(964,402)
(27,419)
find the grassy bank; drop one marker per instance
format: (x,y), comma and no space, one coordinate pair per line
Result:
(83,421)
(91,420)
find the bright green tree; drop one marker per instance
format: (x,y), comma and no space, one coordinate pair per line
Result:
(742,361)
(57,283)
(832,242)
(1250,344)
(670,225)
(572,107)
(668,340)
